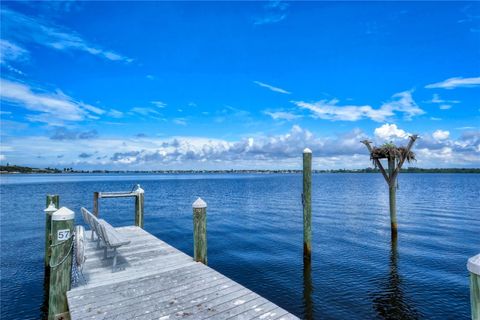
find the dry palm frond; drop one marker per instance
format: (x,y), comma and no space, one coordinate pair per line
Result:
(389,150)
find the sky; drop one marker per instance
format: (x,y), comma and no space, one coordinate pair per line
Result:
(237,85)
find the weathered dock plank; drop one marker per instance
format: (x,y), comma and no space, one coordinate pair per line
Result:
(154,280)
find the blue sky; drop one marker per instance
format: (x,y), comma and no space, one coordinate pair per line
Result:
(205,85)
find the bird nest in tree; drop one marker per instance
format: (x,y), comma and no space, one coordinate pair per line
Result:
(389,150)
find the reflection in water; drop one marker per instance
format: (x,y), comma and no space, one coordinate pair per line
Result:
(389,302)
(46,288)
(307,289)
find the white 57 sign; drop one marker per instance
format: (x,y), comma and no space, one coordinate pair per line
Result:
(63,234)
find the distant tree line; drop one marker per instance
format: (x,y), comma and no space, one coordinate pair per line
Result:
(20,169)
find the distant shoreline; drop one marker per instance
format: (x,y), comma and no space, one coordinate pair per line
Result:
(28,170)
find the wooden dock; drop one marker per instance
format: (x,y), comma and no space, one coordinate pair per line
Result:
(156,281)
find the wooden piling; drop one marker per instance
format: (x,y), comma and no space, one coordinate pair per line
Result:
(139,205)
(200,231)
(473,266)
(60,263)
(53,199)
(390,152)
(95,203)
(307,203)
(392,193)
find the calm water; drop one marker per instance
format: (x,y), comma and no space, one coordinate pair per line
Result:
(255,237)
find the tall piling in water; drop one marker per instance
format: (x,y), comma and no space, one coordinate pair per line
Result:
(307,203)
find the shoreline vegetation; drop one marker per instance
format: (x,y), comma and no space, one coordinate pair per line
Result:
(12,169)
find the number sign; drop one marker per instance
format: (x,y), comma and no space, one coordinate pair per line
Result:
(63,234)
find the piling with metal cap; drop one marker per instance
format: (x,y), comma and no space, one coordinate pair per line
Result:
(200,231)
(51,206)
(60,262)
(139,201)
(307,203)
(473,265)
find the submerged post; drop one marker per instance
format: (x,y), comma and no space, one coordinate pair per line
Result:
(95,203)
(60,262)
(473,266)
(51,205)
(200,231)
(139,201)
(307,203)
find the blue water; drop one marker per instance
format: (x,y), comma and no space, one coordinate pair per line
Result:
(255,237)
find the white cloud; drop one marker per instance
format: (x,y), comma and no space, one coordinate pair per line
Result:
(436,99)
(255,151)
(389,132)
(2,157)
(276,89)
(445,107)
(115,113)
(28,29)
(52,107)
(441,134)
(452,83)
(330,110)
(145,111)
(180,121)
(11,52)
(282,115)
(159,104)
(275,11)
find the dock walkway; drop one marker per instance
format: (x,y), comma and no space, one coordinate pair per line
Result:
(156,281)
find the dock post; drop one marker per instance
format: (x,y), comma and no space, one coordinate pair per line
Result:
(95,203)
(200,231)
(307,203)
(60,263)
(473,266)
(139,201)
(54,200)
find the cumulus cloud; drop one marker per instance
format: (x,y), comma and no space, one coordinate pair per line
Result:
(343,150)
(456,82)
(389,132)
(52,107)
(441,134)
(401,103)
(28,29)
(270,87)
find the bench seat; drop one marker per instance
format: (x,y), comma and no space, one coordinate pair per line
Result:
(106,234)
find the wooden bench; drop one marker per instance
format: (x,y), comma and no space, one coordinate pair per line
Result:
(106,234)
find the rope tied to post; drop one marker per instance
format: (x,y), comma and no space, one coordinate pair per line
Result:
(76,267)
(68,253)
